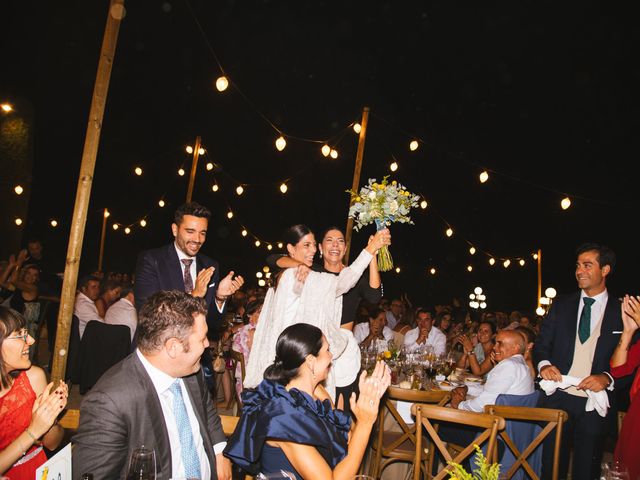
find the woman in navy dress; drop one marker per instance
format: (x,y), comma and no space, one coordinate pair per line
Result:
(288,422)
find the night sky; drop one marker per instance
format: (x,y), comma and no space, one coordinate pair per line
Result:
(542,94)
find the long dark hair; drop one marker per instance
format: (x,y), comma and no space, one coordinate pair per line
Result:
(293,346)
(10,321)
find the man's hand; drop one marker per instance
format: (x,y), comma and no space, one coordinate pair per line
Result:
(223,467)
(422,336)
(458,395)
(549,372)
(229,285)
(202,282)
(595,383)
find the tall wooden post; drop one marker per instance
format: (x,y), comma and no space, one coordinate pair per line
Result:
(539,275)
(102,237)
(83,193)
(194,167)
(356,176)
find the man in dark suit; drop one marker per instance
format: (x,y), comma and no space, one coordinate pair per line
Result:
(577,338)
(181,266)
(155,397)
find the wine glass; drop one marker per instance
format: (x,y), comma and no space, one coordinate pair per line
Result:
(282,474)
(142,464)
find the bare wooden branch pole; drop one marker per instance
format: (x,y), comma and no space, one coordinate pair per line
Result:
(356,176)
(83,193)
(194,168)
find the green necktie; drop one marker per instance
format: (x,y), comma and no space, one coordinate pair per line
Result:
(584,327)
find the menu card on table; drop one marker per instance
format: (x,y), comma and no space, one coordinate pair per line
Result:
(57,467)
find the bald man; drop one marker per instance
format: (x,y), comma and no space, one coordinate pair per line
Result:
(510,375)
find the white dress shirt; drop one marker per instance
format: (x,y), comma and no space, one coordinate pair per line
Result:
(85,309)
(510,376)
(436,339)
(361,331)
(193,270)
(161,381)
(392,321)
(122,313)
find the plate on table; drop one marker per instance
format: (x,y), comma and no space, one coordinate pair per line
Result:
(447,386)
(473,379)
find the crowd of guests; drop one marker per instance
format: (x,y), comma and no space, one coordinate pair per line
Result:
(300,341)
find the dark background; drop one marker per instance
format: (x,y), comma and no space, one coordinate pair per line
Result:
(543,94)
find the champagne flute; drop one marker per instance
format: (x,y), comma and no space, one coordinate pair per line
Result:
(142,464)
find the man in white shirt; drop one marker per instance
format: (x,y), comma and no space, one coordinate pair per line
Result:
(85,306)
(374,331)
(123,312)
(156,397)
(394,314)
(425,333)
(511,374)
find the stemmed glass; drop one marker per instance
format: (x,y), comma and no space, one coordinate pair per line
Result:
(142,464)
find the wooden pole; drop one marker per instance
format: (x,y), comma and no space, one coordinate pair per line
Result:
(102,236)
(356,176)
(83,193)
(539,275)
(194,167)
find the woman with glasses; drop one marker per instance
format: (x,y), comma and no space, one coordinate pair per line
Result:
(28,406)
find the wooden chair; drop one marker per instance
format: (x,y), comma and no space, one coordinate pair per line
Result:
(431,415)
(553,418)
(399,446)
(237,358)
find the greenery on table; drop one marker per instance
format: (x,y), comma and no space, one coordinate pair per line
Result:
(484,470)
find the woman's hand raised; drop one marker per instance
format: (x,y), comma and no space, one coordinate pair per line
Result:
(46,409)
(379,240)
(372,388)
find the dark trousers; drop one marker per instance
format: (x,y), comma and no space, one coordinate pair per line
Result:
(584,431)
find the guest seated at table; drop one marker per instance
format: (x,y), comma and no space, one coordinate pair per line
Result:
(444,321)
(123,312)
(510,375)
(374,331)
(425,333)
(243,338)
(530,339)
(288,422)
(478,357)
(28,406)
(85,306)
(109,293)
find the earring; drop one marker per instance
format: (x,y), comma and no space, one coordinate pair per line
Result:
(313,373)
(320,253)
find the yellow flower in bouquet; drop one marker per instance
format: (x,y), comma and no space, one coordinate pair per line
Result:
(382,203)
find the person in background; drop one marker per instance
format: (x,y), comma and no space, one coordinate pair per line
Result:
(288,422)
(425,333)
(109,293)
(373,331)
(85,306)
(23,280)
(243,338)
(530,339)
(28,406)
(444,321)
(123,312)
(478,357)
(394,314)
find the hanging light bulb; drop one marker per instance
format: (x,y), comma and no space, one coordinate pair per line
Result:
(326,150)
(477,290)
(54,223)
(229,214)
(284,188)
(550,293)
(521,262)
(540,311)
(214,187)
(116,226)
(127,230)
(257,243)
(484,176)
(261,283)
(222,83)
(258,274)
(244,233)
(472,250)
(6,108)
(357,127)
(492,261)
(138,171)
(280,143)
(506,263)
(18,189)
(535,256)
(161,203)
(106,213)
(432,271)
(449,232)
(209,166)
(424,204)
(143,223)
(181,172)
(265,269)
(565,203)
(397,269)
(394,166)
(201,151)
(18,221)
(279,244)
(189,149)
(333,153)
(469,268)
(269,247)
(239,190)
(413,146)
(267,275)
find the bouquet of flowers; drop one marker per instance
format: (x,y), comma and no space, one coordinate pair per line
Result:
(382,203)
(484,470)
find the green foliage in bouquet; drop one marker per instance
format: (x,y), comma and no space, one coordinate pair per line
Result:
(483,471)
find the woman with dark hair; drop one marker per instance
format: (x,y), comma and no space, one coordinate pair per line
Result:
(304,295)
(288,423)
(243,338)
(109,292)
(28,406)
(478,357)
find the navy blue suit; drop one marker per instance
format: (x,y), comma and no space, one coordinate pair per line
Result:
(556,343)
(160,269)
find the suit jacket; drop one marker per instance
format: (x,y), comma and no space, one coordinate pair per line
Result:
(122,412)
(160,269)
(557,338)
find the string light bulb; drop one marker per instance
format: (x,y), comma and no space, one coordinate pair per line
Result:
(413,146)
(269,247)
(239,190)
(284,188)
(280,143)
(394,166)
(492,261)
(261,282)
(357,127)
(326,150)
(201,151)
(244,233)
(397,269)
(18,189)
(469,268)
(189,149)
(18,221)
(181,172)
(143,223)
(229,214)
(209,166)
(6,107)
(472,250)
(258,274)
(521,262)
(506,263)
(432,271)
(161,203)
(279,244)
(138,171)
(127,230)
(565,203)
(540,311)
(257,243)
(550,293)
(484,176)
(54,223)
(215,187)
(106,213)
(449,232)
(333,153)
(222,83)
(116,226)
(265,269)
(535,256)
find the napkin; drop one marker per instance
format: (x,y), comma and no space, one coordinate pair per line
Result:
(598,401)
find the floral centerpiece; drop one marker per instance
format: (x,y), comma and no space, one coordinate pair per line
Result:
(382,203)
(484,471)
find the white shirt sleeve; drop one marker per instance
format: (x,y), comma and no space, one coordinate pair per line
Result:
(501,378)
